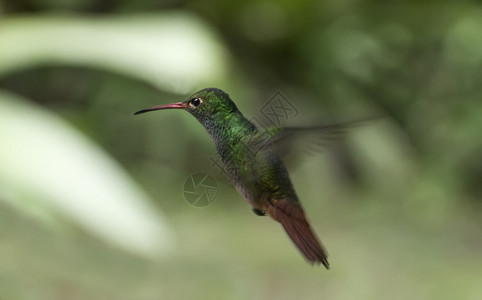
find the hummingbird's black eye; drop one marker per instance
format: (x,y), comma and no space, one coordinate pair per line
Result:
(196,102)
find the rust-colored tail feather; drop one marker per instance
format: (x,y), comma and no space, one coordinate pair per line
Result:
(293,219)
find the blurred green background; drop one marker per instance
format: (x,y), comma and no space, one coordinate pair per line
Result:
(91,203)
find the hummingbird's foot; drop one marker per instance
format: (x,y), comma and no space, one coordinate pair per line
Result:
(259,212)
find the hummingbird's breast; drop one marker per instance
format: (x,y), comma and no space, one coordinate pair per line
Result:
(257,175)
(257,172)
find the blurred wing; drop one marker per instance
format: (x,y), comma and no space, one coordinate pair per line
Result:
(285,139)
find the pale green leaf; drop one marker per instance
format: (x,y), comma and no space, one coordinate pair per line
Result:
(175,52)
(50,169)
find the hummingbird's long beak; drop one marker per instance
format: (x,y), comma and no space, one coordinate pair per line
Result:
(178,105)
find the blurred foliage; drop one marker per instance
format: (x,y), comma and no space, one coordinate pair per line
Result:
(49,170)
(397,202)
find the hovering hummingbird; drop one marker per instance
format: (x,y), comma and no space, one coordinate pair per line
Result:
(253,166)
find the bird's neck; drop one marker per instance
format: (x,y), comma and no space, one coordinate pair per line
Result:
(227,129)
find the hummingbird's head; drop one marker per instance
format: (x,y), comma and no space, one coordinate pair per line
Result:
(208,106)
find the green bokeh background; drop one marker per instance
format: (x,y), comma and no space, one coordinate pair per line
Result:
(397,202)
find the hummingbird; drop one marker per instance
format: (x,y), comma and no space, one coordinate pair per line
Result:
(253,166)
